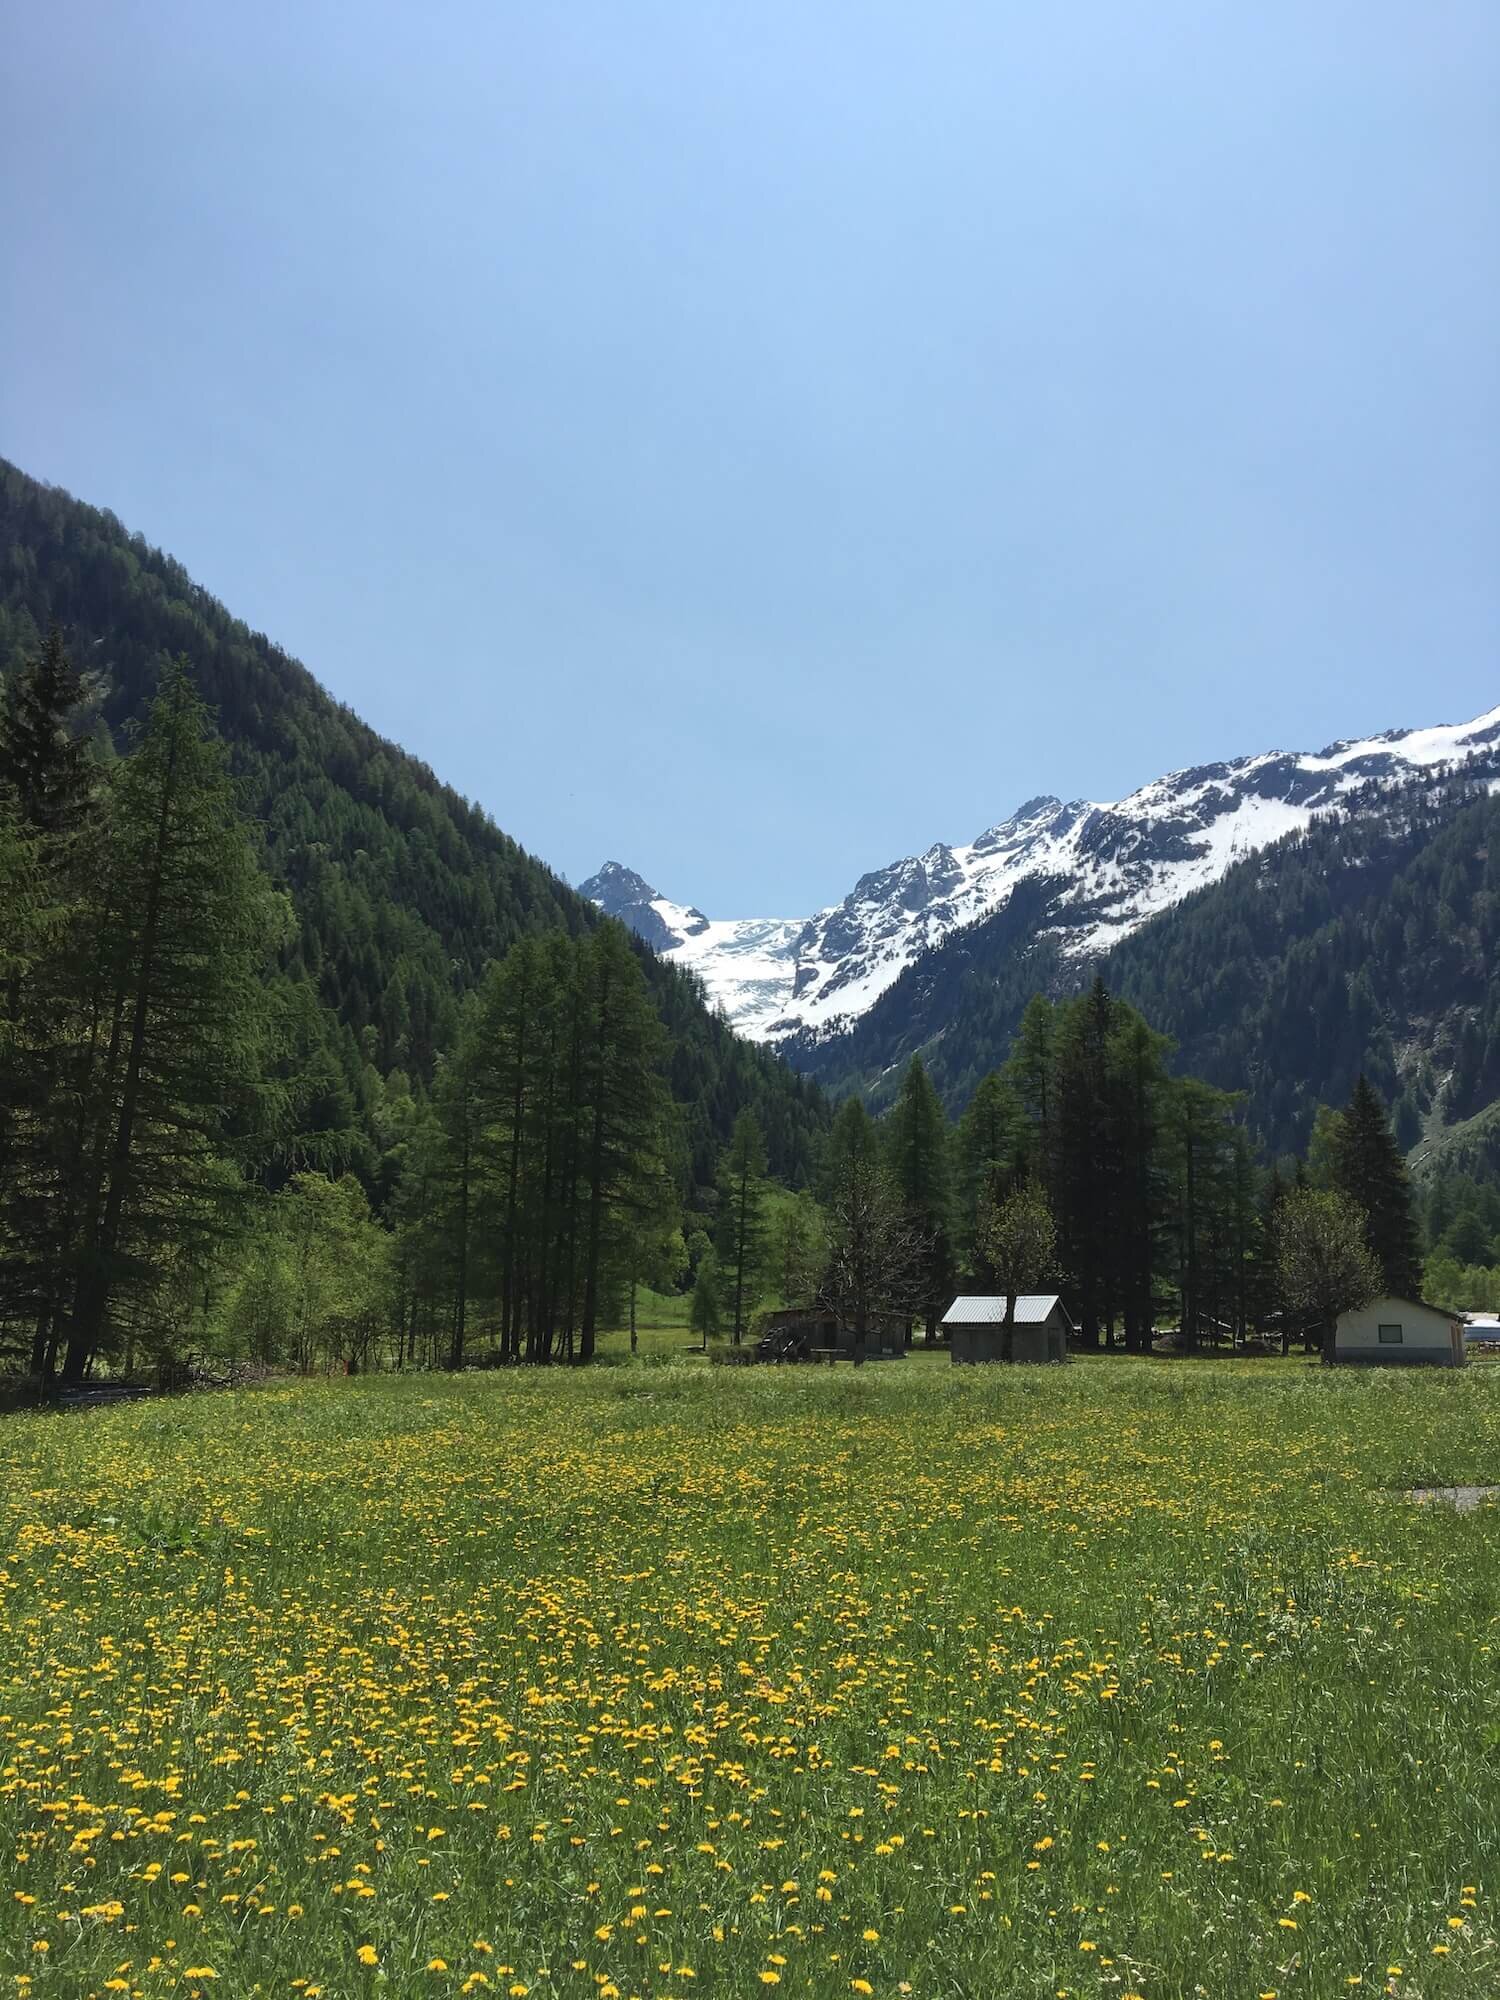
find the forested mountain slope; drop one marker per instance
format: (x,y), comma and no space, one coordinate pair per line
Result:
(402,889)
(1369,943)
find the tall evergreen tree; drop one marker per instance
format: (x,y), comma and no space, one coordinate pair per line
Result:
(853,1137)
(625,1105)
(173,1018)
(989,1153)
(1031,1071)
(1087,1167)
(918,1146)
(45,766)
(458,1102)
(1139,1092)
(742,1220)
(1200,1136)
(1366,1164)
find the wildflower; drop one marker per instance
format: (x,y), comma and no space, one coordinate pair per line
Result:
(368,1955)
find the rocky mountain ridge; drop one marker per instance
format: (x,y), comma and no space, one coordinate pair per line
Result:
(1118,863)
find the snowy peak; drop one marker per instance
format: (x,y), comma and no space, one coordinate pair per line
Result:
(621,893)
(1113,866)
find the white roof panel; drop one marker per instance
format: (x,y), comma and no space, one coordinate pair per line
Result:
(1031,1309)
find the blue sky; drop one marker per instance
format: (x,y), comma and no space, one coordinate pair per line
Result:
(754,442)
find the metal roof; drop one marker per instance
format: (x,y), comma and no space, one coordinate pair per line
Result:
(1031,1309)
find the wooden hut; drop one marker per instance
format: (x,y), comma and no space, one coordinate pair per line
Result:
(975,1328)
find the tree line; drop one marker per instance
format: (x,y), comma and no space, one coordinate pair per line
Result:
(1083,1165)
(178,1167)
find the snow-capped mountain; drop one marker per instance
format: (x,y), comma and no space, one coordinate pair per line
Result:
(1120,862)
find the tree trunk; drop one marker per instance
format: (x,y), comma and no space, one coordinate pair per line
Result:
(461,1301)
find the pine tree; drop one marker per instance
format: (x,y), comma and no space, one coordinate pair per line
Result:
(1087,1167)
(1200,1136)
(853,1137)
(1031,1071)
(742,1220)
(1366,1164)
(918,1146)
(1139,1092)
(46,768)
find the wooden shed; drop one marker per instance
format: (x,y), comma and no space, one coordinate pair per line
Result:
(975,1328)
(1400,1333)
(886,1333)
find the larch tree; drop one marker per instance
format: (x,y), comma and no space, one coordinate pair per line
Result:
(49,789)
(989,1151)
(174,1050)
(625,1106)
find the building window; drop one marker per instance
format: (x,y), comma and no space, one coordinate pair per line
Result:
(1390,1336)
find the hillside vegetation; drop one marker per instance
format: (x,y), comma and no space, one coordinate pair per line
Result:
(403,891)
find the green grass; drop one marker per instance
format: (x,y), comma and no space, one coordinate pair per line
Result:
(662,1679)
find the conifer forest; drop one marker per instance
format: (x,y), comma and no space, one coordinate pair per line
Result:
(212,1158)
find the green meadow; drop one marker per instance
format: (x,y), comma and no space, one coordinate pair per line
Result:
(665,1679)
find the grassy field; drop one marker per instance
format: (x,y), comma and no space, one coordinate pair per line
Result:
(1125,1679)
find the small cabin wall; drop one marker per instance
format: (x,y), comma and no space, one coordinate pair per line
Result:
(1396,1333)
(1045,1340)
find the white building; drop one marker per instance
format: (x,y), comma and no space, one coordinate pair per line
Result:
(976,1328)
(1394,1333)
